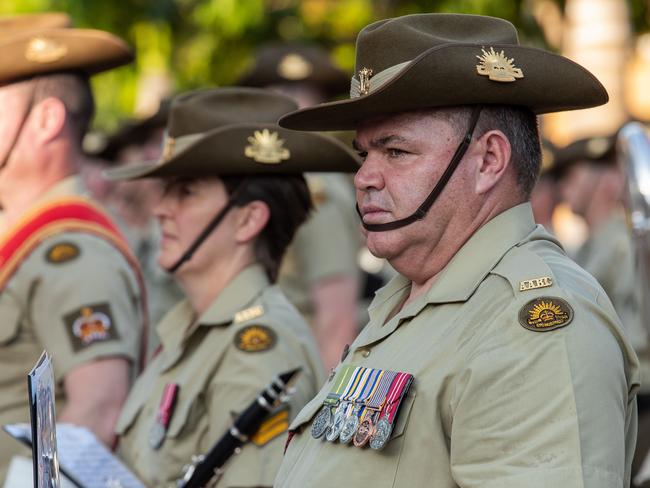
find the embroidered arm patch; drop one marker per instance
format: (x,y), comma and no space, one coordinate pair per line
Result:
(255,338)
(90,324)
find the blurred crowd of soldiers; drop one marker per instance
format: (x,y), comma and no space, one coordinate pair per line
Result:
(76,280)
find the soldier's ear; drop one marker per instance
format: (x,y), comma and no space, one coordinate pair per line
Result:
(251,220)
(49,119)
(493,159)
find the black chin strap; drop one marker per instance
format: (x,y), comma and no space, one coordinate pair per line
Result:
(212,225)
(422,210)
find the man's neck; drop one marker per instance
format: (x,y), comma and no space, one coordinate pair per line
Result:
(424,270)
(19,202)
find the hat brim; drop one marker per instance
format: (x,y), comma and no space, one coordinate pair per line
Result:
(446,76)
(222,153)
(87,51)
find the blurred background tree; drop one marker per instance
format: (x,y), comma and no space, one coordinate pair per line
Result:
(183,44)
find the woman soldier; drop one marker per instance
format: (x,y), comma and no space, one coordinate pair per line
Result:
(233,198)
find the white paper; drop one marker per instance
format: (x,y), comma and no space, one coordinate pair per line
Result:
(83,458)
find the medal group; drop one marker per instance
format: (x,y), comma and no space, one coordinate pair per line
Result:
(362,406)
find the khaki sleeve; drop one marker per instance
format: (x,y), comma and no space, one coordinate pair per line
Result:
(541,409)
(241,377)
(325,246)
(86,306)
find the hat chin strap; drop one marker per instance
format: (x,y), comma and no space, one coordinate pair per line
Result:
(423,209)
(212,225)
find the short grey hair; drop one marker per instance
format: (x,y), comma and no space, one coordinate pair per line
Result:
(520,126)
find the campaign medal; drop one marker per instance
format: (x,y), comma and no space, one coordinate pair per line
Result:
(322,420)
(384,427)
(334,430)
(349,427)
(164,415)
(380,435)
(370,383)
(353,385)
(362,436)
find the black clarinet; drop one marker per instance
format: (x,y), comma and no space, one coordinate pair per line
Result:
(209,467)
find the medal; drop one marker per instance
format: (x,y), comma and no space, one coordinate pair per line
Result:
(364,432)
(334,430)
(356,379)
(384,427)
(164,415)
(349,428)
(380,435)
(321,422)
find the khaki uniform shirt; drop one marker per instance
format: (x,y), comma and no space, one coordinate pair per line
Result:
(43,305)
(493,404)
(326,245)
(608,255)
(219,371)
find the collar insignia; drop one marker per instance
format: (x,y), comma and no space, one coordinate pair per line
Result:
(266,147)
(364,81)
(497,66)
(44,50)
(294,67)
(249,314)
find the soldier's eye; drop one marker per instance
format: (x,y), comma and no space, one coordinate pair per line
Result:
(395,153)
(362,154)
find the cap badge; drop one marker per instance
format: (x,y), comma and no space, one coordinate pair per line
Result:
(168,148)
(497,66)
(266,147)
(44,50)
(364,81)
(294,67)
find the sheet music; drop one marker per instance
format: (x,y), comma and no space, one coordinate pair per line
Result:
(83,458)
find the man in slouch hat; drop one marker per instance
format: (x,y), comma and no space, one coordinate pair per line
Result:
(68,282)
(491,359)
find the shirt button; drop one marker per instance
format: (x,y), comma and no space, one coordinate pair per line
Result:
(365,353)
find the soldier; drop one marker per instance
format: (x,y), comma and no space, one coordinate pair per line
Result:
(68,282)
(320,274)
(234,197)
(545,196)
(519,371)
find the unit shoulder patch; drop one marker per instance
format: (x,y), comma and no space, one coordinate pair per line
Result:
(545,313)
(277,424)
(62,252)
(90,324)
(255,338)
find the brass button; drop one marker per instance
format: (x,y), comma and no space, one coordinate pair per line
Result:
(366,353)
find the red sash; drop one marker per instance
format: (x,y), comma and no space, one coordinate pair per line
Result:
(70,214)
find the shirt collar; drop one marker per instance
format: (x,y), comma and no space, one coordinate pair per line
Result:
(179,322)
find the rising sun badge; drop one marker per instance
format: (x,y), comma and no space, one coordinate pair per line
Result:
(497,66)
(266,147)
(545,313)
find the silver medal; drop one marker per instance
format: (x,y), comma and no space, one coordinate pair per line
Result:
(321,422)
(382,432)
(337,425)
(157,435)
(349,428)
